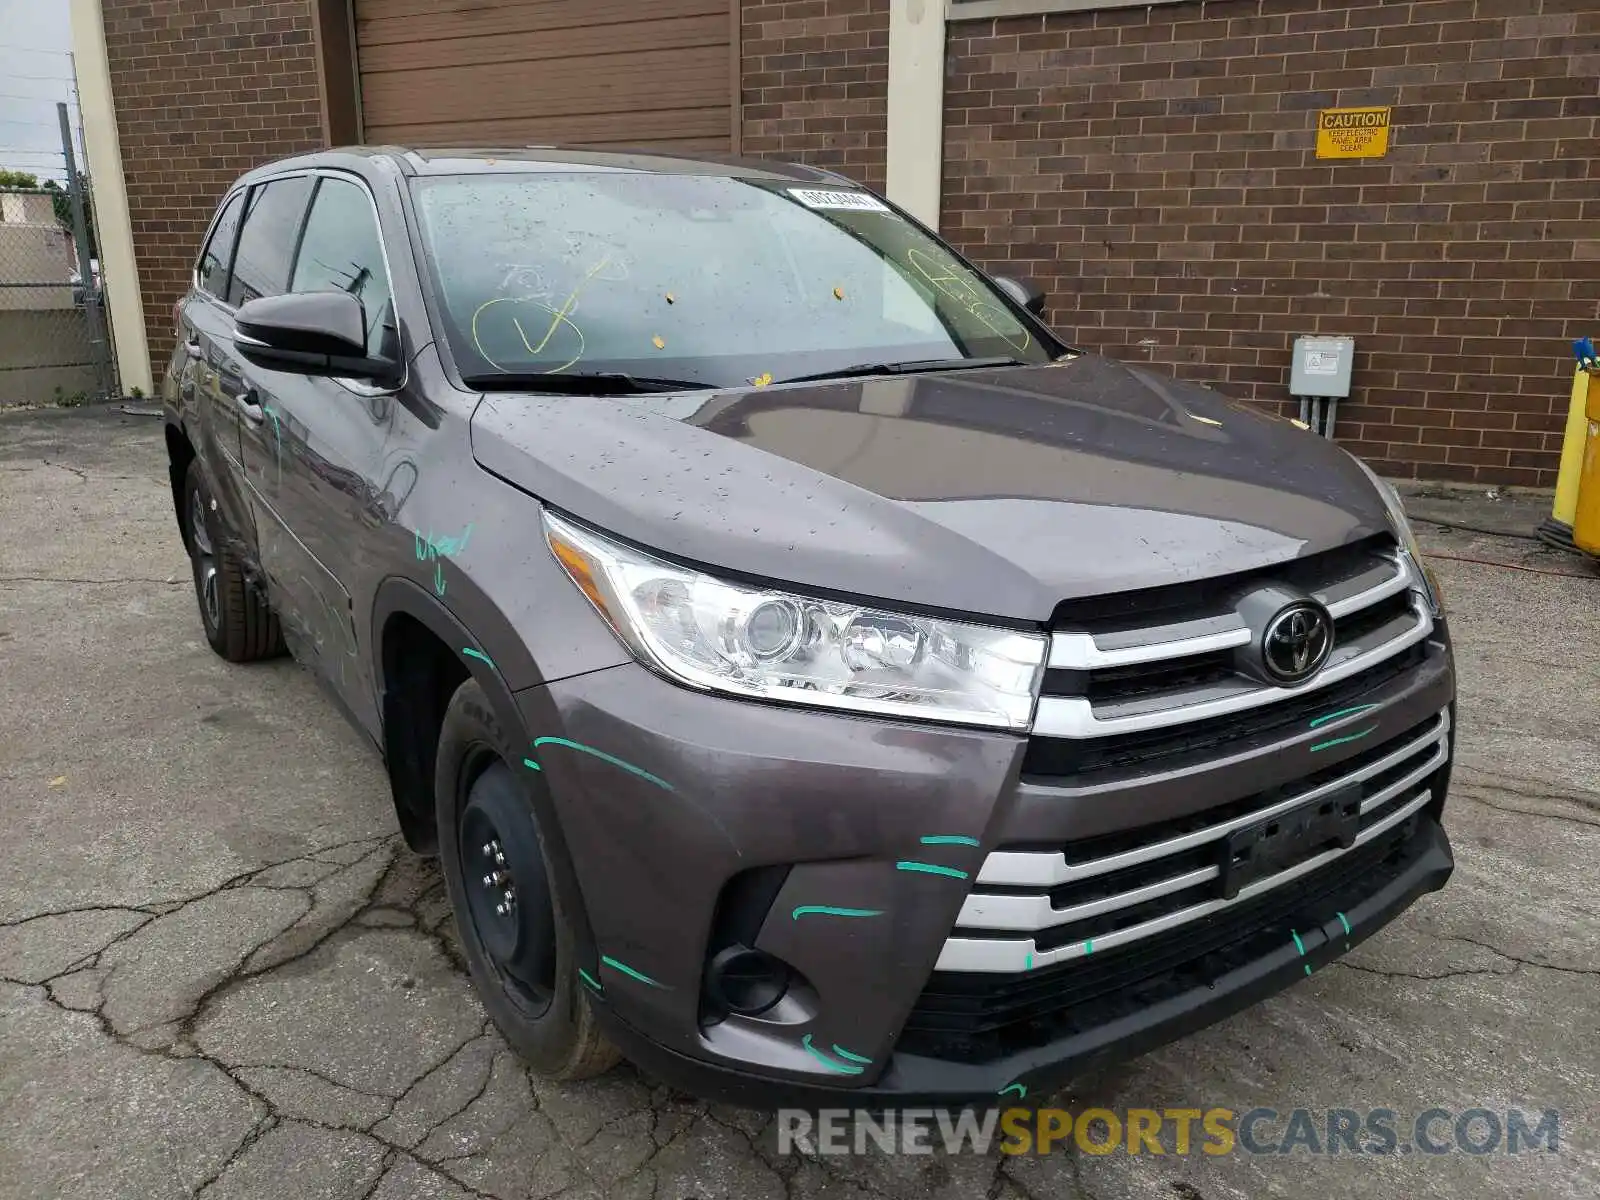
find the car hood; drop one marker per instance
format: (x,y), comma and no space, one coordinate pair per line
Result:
(999,492)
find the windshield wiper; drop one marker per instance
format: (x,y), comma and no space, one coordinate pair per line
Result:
(908,367)
(581,383)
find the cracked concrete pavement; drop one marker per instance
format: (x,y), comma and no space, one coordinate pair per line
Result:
(221,973)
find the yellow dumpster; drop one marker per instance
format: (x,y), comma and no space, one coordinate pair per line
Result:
(1586,515)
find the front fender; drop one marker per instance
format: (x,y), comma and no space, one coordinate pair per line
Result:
(398,596)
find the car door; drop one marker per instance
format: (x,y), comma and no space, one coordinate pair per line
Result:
(209,378)
(314,455)
(273,217)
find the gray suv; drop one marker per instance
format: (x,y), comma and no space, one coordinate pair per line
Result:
(817,681)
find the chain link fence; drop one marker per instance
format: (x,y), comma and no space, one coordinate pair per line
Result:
(54,341)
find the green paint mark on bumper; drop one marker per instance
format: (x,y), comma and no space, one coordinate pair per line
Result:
(604,757)
(930,869)
(1339,741)
(827,910)
(831,1064)
(1343,712)
(629,971)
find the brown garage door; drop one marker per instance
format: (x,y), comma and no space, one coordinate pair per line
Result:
(515,72)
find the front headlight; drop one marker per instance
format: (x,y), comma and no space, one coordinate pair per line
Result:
(1423,578)
(775,645)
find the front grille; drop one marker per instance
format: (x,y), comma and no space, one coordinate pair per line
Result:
(1138,678)
(1092,896)
(1174,746)
(978,1017)
(1146,607)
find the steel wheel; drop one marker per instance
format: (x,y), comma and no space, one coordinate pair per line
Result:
(507,885)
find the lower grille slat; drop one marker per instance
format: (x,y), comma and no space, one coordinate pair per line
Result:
(1034,908)
(977,1017)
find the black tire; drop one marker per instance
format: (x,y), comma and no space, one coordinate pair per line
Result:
(529,981)
(239,623)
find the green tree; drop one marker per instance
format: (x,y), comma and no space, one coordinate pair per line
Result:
(17,179)
(61,201)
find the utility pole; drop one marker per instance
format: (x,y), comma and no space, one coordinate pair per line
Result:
(80,236)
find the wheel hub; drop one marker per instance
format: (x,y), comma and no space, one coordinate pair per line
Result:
(497,883)
(507,885)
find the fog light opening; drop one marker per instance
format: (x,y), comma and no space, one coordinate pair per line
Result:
(746,982)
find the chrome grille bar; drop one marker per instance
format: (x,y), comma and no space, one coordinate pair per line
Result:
(1075,717)
(1033,912)
(1082,651)
(1046,870)
(1015,955)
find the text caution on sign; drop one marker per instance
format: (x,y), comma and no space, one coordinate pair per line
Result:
(1352,133)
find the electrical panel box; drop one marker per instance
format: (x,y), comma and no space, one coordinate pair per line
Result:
(1322,367)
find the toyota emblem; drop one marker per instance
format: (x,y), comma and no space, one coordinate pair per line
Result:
(1297,642)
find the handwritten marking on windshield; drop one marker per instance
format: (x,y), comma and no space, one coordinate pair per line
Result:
(558,317)
(477,337)
(943,276)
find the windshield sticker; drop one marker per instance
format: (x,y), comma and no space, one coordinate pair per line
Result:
(850,201)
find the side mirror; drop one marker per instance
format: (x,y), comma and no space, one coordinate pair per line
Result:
(1025,292)
(310,333)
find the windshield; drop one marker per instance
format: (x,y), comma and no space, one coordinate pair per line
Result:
(708,279)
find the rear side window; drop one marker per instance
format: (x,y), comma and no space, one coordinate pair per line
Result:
(340,251)
(266,243)
(213,269)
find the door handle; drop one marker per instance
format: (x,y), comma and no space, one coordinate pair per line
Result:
(249,402)
(192,349)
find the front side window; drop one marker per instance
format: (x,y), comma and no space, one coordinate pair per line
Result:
(714,279)
(266,242)
(340,251)
(212,272)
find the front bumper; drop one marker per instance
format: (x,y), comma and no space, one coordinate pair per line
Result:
(846,847)
(911,1079)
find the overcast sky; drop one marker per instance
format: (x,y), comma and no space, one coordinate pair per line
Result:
(35,72)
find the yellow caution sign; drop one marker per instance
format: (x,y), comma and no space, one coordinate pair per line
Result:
(1352,133)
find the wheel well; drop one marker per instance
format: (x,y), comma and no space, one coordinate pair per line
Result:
(420,674)
(180,453)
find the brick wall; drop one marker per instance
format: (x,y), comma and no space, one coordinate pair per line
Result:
(1154,169)
(814,83)
(202,95)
